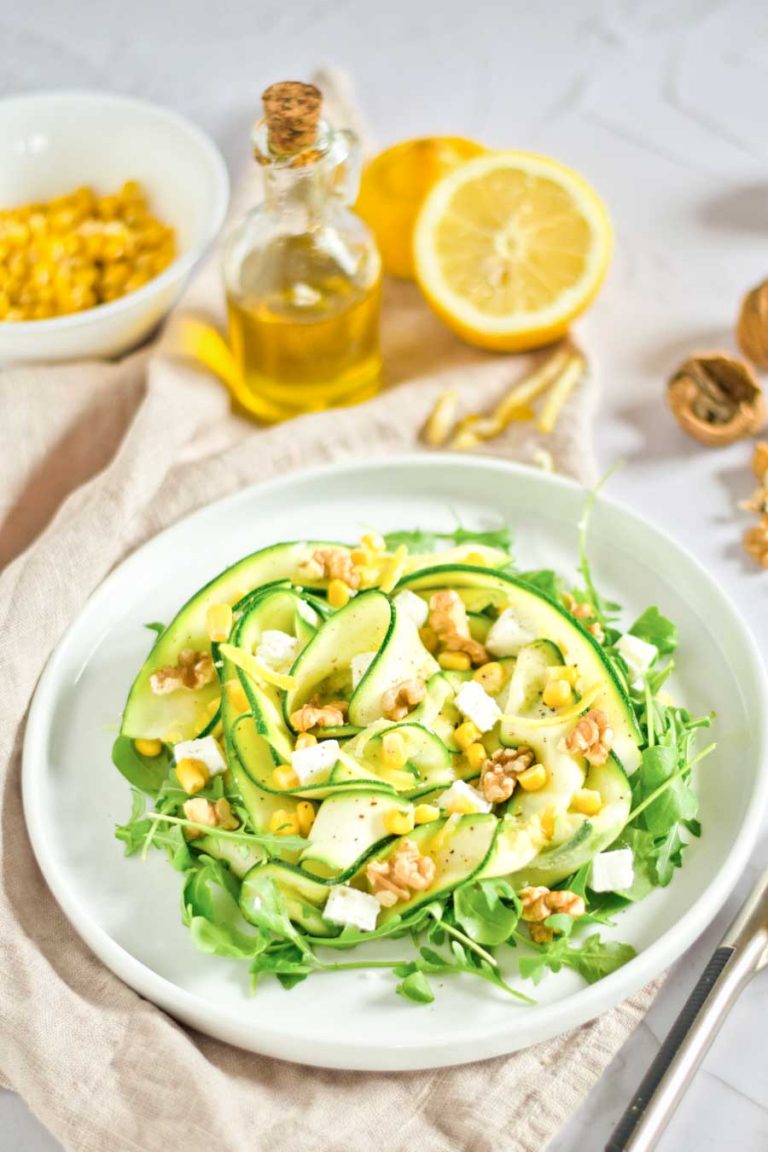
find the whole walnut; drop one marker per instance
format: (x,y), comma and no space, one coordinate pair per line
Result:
(752,328)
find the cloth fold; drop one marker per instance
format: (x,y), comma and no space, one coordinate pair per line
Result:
(95,459)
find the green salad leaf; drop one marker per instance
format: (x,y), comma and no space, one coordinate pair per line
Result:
(656,629)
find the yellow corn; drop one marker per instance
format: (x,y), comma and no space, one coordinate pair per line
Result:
(192,775)
(359,556)
(568,672)
(556,694)
(454,661)
(425,813)
(399,823)
(466,734)
(338,594)
(305,814)
(394,753)
(548,822)
(533,778)
(373,542)
(587,801)
(284,777)
(236,696)
(429,638)
(148,748)
(475,558)
(283,823)
(174,735)
(476,756)
(305,740)
(393,569)
(218,619)
(491,677)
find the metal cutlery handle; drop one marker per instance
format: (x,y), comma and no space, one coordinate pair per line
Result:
(741,954)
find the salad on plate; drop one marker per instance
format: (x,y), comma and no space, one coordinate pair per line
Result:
(411,754)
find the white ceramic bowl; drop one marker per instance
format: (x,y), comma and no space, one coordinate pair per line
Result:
(127,910)
(53,142)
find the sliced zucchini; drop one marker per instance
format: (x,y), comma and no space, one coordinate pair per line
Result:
(517,843)
(302,896)
(530,677)
(545,619)
(347,826)
(430,762)
(151,716)
(240,857)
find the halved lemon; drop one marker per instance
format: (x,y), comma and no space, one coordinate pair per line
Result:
(510,247)
(393,188)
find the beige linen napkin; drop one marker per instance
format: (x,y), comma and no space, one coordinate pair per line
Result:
(95,459)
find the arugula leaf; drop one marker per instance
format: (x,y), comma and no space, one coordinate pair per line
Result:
(212,912)
(414,539)
(656,629)
(285,961)
(417,540)
(416,987)
(143,772)
(593,960)
(678,802)
(543,580)
(482,913)
(669,855)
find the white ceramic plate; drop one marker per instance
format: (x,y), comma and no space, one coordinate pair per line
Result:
(127,911)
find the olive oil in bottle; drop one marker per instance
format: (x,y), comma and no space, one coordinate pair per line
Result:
(302,272)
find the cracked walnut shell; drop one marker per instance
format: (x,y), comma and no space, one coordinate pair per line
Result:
(716,399)
(752,328)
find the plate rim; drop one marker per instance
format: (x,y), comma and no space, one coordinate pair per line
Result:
(542,1023)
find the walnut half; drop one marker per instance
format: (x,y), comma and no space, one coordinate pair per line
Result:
(716,399)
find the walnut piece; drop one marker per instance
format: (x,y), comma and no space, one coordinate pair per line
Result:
(473,648)
(405,871)
(755,541)
(760,460)
(202,811)
(313,715)
(193,670)
(716,399)
(448,620)
(330,564)
(398,701)
(499,773)
(584,613)
(540,903)
(752,327)
(592,737)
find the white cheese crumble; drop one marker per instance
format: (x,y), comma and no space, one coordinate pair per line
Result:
(474,702)
(347,905)
(612,871)
(206,750)
(507,635)
(310,762)
(463,798)
(277,650)
(413,606)
(638,655)
(359,665)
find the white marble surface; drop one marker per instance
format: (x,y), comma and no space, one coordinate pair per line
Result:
(663,105)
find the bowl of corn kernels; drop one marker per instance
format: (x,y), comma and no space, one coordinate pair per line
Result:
(106,205)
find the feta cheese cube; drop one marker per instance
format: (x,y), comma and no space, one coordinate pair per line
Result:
(463,798)
(277,650)
(413,606)
(360,665)
(638,655)
(206,750)
(310,762)
(474,702)
(507,635)
(612,871)
(347,905)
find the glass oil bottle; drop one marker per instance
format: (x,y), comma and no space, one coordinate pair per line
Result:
(302,272)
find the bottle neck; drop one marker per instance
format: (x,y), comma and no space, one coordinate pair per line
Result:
(305,186)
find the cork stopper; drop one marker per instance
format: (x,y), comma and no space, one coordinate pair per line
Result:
(292,111)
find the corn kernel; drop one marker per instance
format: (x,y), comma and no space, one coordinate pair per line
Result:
(283,823)
(491,677)
(148,748)
(219,622)
(338,594)
(587,801)
(429,638)
(556,693)
(425,813)
(476,756)
(193,775)
(284,777)
(466,734)
(373,542)
(236,696)
(548,822)
(533,778)
(359,556)
(454,661)
(305,814)
(475,558)
(305,740)
(394,753)
(399,823)
(566,672)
